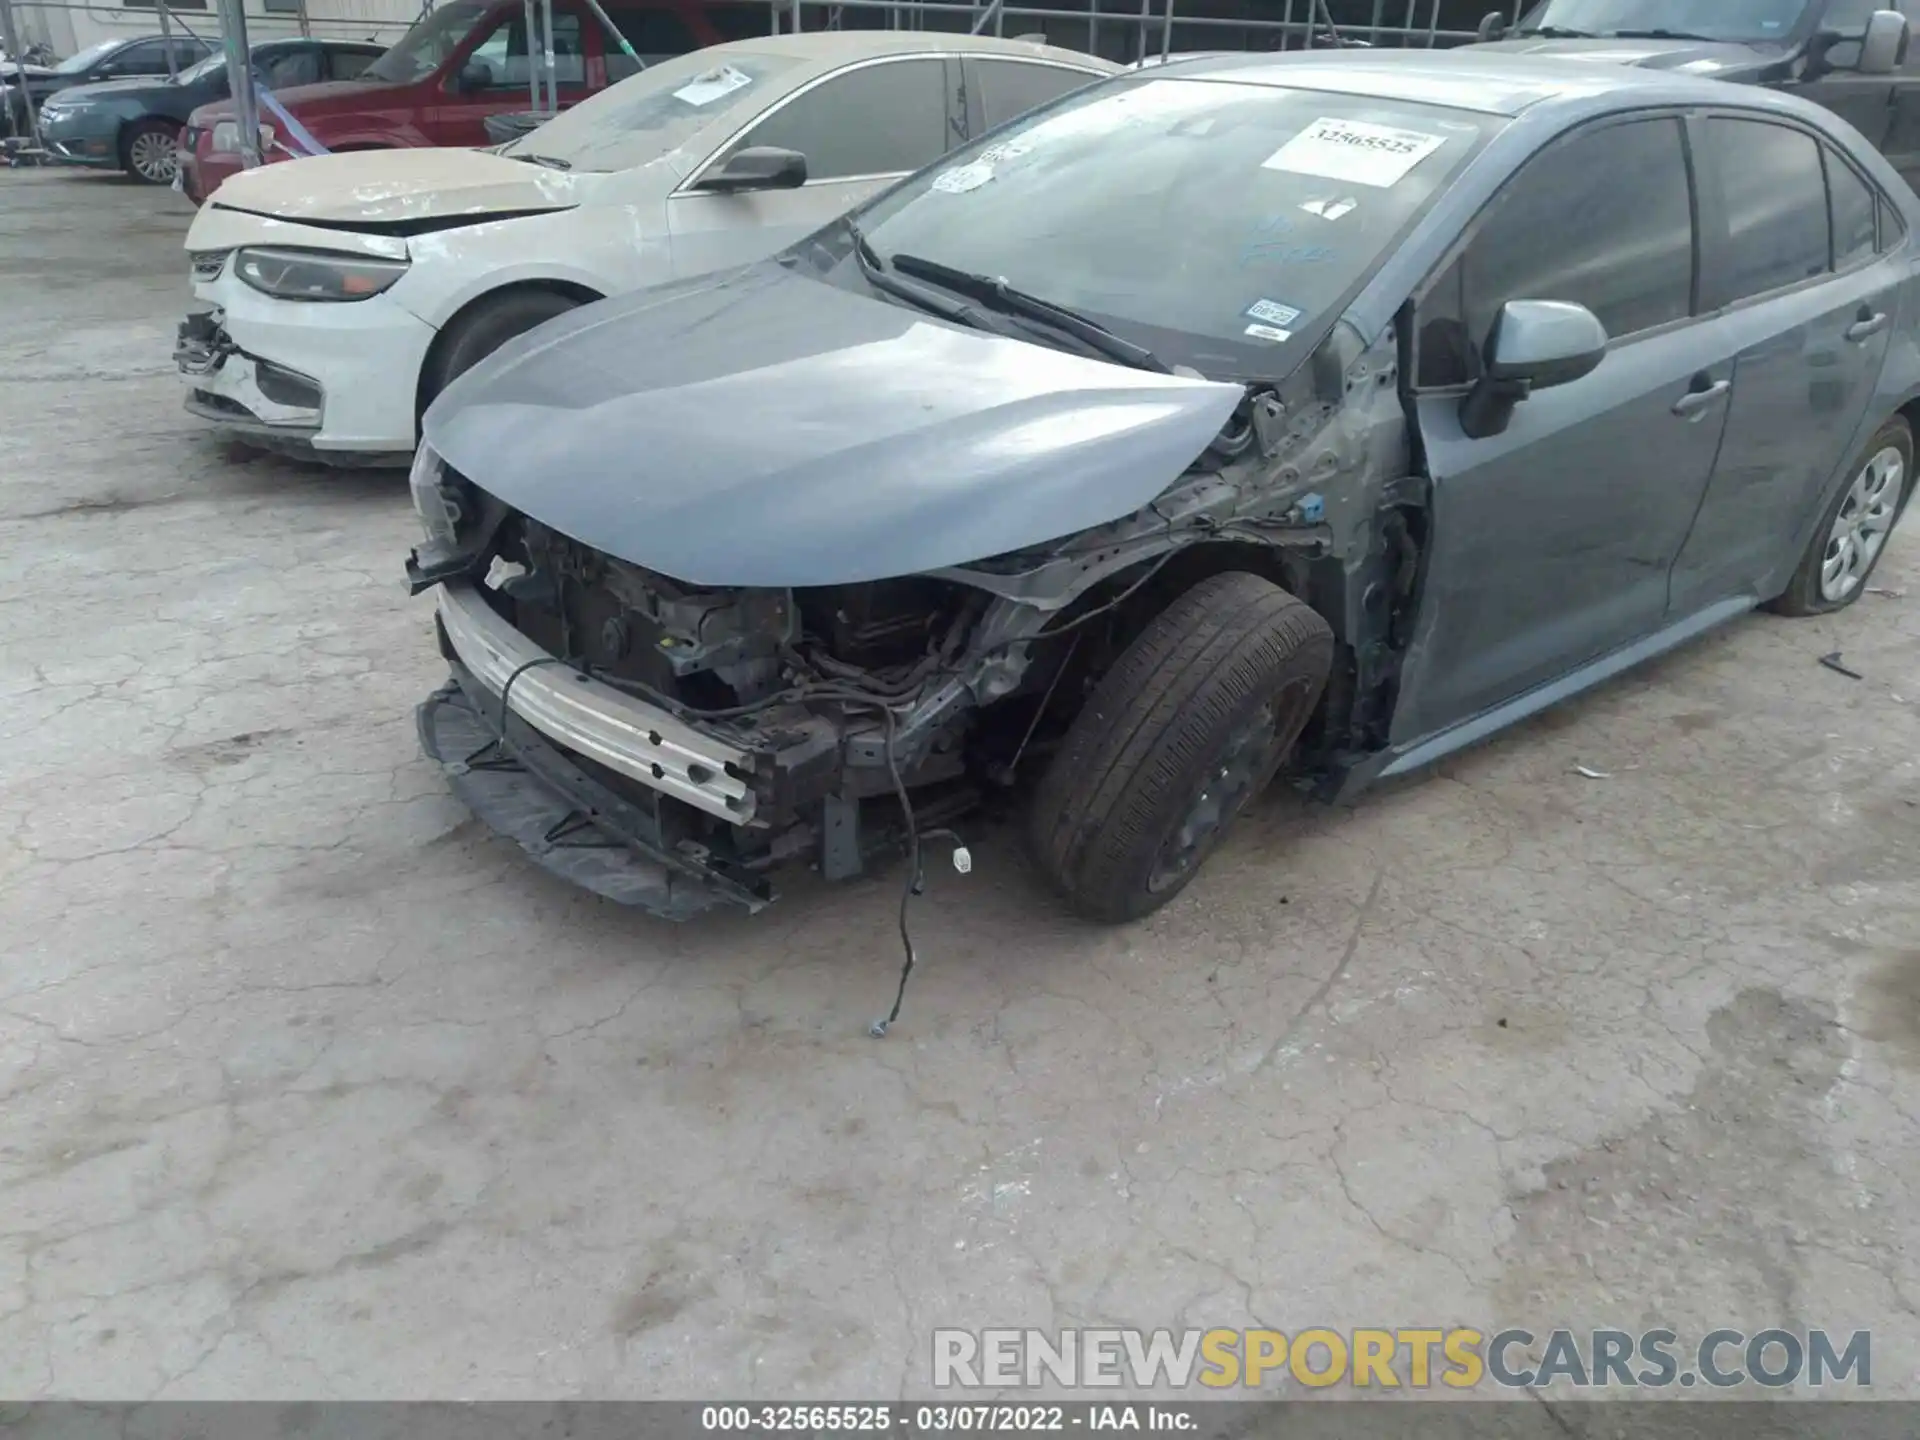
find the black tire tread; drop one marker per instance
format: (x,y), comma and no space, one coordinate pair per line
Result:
(489,324)
(1099,813)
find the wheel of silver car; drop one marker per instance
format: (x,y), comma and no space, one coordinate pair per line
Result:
(1849,540)
(149,152)
(1860,529)
(1188,725)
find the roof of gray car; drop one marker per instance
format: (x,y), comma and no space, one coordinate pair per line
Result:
(1494,83)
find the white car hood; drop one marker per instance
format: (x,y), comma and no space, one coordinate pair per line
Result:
(393,187)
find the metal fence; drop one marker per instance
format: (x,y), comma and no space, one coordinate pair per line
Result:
(1121,31)
(1116,29)
(205,19)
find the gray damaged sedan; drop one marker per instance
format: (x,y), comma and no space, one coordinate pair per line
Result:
(1318,414)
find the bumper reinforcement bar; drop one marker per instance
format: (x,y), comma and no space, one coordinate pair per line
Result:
(569,823)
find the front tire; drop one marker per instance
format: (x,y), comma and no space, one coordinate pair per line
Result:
(1189,724)
(149,152)
(1852,536)
(484,329)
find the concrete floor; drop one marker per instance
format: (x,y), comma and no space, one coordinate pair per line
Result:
(311,1088)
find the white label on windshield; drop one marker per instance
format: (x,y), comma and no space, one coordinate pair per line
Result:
(1376,155)
(1005,150)
(1271,312)
(707,88)
(962,178)
(1270,332)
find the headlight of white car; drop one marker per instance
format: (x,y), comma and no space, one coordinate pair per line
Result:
(315,275)
(226,137)
(439,519)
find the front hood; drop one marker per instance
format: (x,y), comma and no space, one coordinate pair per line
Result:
(768,429)
(387,187)
(1721,59)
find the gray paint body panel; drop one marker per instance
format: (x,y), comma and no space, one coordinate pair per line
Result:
(768,429)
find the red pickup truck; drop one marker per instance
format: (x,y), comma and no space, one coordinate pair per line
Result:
(467,60)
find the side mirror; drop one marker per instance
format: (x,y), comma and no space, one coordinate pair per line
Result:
(758,167)
(1532,345)
(1492,26)
(1883,49)
(474,75)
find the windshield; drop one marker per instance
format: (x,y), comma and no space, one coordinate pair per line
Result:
(74,64)
(1210,222)
(1756,21)
(651,113)
(428,45)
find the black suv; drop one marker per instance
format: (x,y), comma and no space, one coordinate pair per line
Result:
(1851,56)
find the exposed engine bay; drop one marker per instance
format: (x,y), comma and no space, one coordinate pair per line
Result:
(835,723)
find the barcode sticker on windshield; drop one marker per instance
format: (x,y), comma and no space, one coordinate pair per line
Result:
(1271,312)
(962,178)
(707,88)
(1005,150)
(1376,155)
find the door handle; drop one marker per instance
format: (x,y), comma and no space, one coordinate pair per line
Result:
(1866,327)
(1694,402)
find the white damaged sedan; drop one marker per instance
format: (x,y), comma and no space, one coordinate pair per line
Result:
(342,292)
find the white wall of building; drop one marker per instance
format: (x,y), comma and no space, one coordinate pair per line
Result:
(72,25)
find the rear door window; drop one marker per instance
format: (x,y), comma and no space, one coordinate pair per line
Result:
(1853,202)
(347,64)
(149,57)
(881,119)
(1776,202)
(293,67)
(509,65)
(1009,88)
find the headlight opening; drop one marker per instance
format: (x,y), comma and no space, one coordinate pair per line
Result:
(313,275)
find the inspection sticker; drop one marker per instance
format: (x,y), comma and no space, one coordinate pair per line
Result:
(1270,332)
(962,178)
(1271,312)
(715,84)
(1376,155)
(1331,209)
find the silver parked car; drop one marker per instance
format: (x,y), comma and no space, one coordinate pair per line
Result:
(1323,412)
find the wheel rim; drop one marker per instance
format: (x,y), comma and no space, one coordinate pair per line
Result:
(153,156)
(1860,529)
(1241,767)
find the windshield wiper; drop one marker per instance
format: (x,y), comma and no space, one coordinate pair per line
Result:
(1554,32)
(552,162)
(1662,34)
(875,269)
(1003,296)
